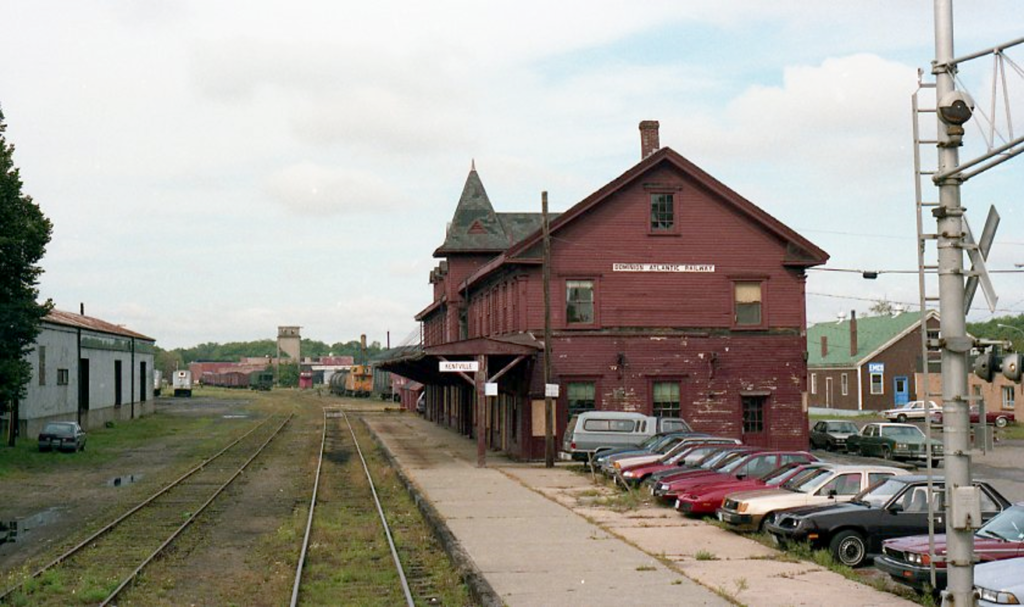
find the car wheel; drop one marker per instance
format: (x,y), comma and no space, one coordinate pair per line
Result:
(848,548)
(886,452)
(901,418)
(1001,422)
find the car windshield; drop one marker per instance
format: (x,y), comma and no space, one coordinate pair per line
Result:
(902,432)
(842,427)
(775,476)
(713,459)
(810,482)
(651,442)
(1007,526)
(732,462)
(59,429)
(879,494)
(695,457)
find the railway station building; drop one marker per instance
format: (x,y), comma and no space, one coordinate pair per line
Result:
(87,370)
(670,294)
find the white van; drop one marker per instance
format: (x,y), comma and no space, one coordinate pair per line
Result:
(593,431)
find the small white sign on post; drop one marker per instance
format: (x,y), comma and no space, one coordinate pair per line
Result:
(455,366)
(551,390)
(491,389)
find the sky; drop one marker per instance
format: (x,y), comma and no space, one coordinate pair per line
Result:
(215,169)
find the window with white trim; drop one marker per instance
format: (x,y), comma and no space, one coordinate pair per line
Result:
(878,383)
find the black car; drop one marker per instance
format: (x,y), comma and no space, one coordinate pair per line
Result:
(854,530)
(66,436)
(831,434)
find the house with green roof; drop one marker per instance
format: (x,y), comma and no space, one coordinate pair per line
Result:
(867,364)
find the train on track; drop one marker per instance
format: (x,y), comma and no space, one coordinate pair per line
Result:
(364,381)
(253,380)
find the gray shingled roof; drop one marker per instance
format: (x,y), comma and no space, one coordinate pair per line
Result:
(475,227)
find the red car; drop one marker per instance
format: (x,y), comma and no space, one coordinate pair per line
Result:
(997,418)
(684,459)
(906,559)
(708,466)
(705,499)
(750,465)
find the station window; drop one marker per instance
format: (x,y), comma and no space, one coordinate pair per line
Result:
(844,384)
(747,302)
(665,397)
(62,377)
(581,396)
(579,302)
(662,213)
(753,414)
(1008,397)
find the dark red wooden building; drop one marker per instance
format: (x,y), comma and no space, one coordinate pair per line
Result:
(671,294)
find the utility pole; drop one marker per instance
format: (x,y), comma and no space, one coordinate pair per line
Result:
(953,320)
(549,412)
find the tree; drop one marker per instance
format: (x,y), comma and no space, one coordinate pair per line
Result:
(24,234)
(882,307)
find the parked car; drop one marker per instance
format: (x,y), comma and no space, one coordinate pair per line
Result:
(604,459)
(831,434)
(707,498)
(755,464)
(714,461)
(675,459)
(691,457)
(65,436)
(624,462)
(594,431)
(854,531)
(915,409)
(746,510)
(997,418)
(906,559)
(894,441)
(1000,582)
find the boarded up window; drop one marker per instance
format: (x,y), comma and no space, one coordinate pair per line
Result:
(581,396)
(666,398)
(748,303)
(579,301)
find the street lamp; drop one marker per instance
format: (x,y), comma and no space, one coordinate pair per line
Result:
(1012,328)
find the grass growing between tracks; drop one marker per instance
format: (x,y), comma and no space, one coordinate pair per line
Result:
(349,561)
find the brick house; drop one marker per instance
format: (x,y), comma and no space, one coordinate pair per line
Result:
(868,364)
(671,294)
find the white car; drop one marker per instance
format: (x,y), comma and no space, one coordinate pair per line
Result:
(746,510)
(1000,582)
(914,410)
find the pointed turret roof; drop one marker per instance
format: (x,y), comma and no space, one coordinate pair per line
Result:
(475,227)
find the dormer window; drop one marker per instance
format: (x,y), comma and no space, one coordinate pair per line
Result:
(663,217)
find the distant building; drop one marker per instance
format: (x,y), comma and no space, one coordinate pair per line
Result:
(87,370)
(868,364)
(288,343)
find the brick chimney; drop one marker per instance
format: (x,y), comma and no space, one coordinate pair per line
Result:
(853,332)
(824,346)
(649,143)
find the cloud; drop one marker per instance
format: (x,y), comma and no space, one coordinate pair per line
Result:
(311,188)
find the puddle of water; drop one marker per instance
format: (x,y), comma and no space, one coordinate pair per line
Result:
(17,530)
(120,481)
(235,416)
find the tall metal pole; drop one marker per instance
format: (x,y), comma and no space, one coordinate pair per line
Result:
(549,410)
(953,323)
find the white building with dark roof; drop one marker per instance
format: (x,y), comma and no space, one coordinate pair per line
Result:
(87,370)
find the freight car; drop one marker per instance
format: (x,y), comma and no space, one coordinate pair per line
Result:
(227,379)
(261,380)
(385,385)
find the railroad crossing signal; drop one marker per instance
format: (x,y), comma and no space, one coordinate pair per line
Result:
(991,361)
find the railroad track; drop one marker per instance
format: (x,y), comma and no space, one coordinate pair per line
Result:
(99,568)
(352,528)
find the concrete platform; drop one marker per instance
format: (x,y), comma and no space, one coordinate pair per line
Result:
(539,537)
